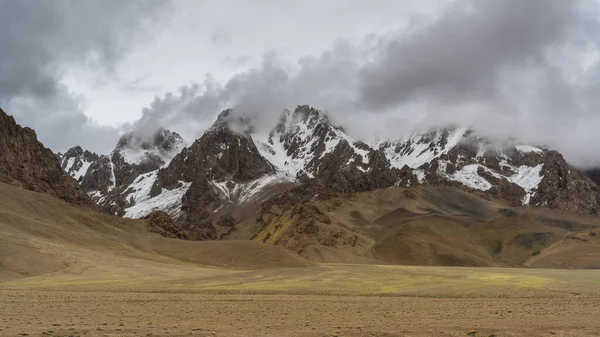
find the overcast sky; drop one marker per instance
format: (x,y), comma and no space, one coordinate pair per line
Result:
(82,72)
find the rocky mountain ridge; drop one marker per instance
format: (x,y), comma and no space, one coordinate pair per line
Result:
(232,165)
(25,162)
(106,177)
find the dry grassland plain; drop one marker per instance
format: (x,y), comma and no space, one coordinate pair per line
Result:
(69,272)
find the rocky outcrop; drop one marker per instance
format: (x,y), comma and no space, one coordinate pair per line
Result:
(160,222)
(25,162)
(302,226)
(564,187)
(509,191)
(333,169)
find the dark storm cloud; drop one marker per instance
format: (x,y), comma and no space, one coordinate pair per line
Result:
(459,56)
(509,68)
(39,38)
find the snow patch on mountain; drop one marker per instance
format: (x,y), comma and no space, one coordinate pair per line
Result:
(169,201)
(276,154)
(529,179)
(76,162)
(97,196)
(71,168)
(246,192)
(68,166)
(82,170)
(112,176)
(140,188)
(418,149)
(468,176)
(528,148)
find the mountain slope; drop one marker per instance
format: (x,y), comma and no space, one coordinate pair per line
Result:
(222,167)
(25,162)
(236,179)
(41,235)
(349,202)
(433,225)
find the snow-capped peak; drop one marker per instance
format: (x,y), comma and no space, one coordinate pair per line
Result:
(228,119)
(302,138)
(136,148)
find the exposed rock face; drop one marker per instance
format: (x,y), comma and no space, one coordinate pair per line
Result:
(219,155)
(108,178)
(25,162)
(348,178)
(76,161)
(218,163)
(504,189)
(564,187)
(312,189)
(304,225)
(99,176)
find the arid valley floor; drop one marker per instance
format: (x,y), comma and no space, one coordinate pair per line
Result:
(69,272)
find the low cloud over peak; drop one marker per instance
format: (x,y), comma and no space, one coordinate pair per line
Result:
(526,69)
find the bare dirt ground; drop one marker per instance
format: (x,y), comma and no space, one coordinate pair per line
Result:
(324,300)
(193,314)
(68,272)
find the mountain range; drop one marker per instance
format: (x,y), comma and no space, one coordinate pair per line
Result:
(447,196)
(232,165)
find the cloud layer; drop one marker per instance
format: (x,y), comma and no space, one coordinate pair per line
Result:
(40,39)
(526,69)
